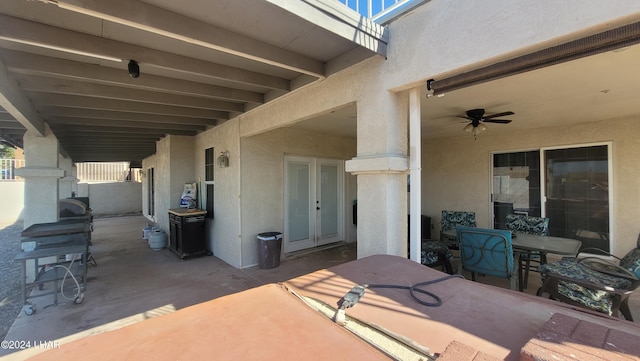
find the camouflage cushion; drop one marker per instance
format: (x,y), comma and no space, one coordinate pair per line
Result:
(595,299)
(632,261)
(431,250)
(518,223)
(452,219)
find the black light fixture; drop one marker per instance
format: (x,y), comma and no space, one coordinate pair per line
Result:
(430,88)
(134,69)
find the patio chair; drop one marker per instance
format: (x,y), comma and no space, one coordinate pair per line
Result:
(433,253)
(452,219)
(486,251)
(594,283)
(518,223)
(436,254)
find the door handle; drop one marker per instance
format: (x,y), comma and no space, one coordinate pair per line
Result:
(317,208)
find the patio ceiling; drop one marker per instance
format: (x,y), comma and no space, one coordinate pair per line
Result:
(596,88)
(65,62)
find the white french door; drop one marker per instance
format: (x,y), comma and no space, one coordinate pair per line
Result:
(313,202)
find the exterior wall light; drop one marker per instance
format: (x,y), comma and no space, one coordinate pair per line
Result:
(223,159)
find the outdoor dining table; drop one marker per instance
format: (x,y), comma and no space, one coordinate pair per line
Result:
(531,243)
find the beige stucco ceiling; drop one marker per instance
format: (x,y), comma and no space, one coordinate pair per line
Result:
(64,62)
(595,88)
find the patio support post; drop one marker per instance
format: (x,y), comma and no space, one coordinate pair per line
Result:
(415,175)
(381,168)
(69,183)
(41,175)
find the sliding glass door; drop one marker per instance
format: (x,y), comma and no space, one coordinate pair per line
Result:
(577,194)
(569,185)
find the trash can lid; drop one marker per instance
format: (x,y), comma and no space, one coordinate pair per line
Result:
(269,236)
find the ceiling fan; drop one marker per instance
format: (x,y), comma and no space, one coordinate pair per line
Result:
(477,118)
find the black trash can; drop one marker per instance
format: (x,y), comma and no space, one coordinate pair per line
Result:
(269,247)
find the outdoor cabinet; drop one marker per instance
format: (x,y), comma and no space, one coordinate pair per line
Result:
(186,232)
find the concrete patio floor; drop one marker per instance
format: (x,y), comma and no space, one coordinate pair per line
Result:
(133,282)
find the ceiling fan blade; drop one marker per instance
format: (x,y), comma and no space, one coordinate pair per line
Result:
(498,115)
(500,121)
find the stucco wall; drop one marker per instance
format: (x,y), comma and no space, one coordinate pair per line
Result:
(262,203)
(223,231)
(12,195)
(461,180)
(147,163)
(105,198)
(174,167)
(436,39)
(112,198)
(444,37)
(254,182)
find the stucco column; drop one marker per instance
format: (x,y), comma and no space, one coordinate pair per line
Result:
(175,166)
(381,167)
(67,184)
(41,174)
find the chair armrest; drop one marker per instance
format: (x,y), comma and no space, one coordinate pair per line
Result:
(606,267)
(598,250)
(593,286)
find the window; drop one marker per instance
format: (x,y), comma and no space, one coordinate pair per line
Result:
(209,167)
(151,194)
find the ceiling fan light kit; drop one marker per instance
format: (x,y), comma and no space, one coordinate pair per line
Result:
(469,128)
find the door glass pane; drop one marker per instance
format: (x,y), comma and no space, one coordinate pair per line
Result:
(209,201)
(329,199)
(299,200)
(151,196)
(577,187)
(516,185)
